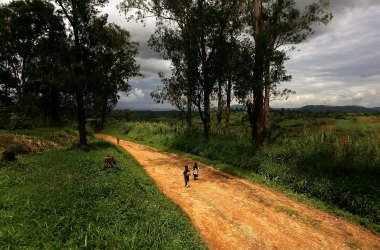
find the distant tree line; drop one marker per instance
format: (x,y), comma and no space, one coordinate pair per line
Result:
(62,55)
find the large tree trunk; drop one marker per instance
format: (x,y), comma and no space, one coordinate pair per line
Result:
(267,72)
(206,114)
(54,104)
(103,114)
(228,101)
(206,117)
(257,123)
(266,101)
(257,113)
(81,114)
(220,103)
(189,115)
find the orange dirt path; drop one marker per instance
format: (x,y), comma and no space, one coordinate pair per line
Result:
(234,213)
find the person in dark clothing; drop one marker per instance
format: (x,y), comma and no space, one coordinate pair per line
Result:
(186,175)
(195,171)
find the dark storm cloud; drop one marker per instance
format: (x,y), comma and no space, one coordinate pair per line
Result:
(140,32)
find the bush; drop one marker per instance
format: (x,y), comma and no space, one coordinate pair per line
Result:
(96,125)
(20,123)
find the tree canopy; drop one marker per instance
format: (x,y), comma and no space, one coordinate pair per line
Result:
(54,53)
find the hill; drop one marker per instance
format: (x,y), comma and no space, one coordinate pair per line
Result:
(338,109)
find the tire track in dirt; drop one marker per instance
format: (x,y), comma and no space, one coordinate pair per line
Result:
(234,213)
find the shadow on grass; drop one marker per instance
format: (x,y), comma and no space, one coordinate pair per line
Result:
(92,146)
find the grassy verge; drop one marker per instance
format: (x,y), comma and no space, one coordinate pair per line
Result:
(37,140)
(316,168)
(64,200)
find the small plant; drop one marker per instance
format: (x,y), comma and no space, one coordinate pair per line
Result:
(279,209)
(354,245)
(291,212)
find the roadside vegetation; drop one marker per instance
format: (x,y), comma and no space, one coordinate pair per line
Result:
(63,199)
(331,161)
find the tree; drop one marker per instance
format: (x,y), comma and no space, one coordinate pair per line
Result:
(275,23)
(283,19)
(48,57)
(111,64)
(181,87)
(30,36)
(191,34)
(79,15)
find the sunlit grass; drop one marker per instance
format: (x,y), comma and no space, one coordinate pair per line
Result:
(65,200)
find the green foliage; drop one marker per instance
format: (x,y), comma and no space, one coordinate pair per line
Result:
(58,53)
(4,115)
(32,35)
(20,122)
(96,125)
(320,167)
(64,200)
(111,65)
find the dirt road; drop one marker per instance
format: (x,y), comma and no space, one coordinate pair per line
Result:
(233,213)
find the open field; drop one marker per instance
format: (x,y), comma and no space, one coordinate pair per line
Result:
(63,199)
(333,169)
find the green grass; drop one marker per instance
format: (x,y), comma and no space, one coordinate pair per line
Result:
(64,200)
(314,167)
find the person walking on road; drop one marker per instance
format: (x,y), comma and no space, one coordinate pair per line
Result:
(195,171)
(186,175)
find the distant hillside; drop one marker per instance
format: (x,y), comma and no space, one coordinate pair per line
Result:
(377,109)
(338,109)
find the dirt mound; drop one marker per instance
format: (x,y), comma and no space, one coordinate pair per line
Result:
(23,144)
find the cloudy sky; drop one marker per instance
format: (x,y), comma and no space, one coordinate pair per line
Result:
(339,65)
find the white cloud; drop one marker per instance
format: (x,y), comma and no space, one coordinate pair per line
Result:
(135,95)
(152,66)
